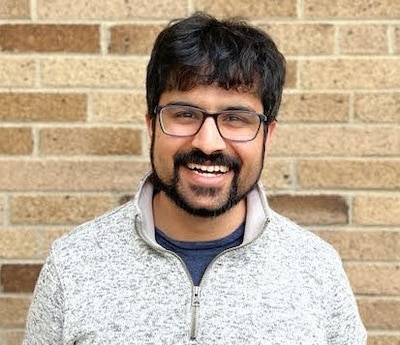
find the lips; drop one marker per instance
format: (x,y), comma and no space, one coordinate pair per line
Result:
(215,169)
(216,164)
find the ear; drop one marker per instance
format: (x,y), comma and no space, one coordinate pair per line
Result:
(270,132)
(149,124)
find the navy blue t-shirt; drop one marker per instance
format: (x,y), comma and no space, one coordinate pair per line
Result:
(198,255)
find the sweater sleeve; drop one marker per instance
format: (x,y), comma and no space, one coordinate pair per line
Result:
(45,317)
(344,325)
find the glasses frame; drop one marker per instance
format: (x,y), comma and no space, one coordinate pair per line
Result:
(158,111)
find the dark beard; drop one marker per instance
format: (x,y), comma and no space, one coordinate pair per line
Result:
(171,188)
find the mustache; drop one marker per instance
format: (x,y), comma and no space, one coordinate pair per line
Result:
(199,157)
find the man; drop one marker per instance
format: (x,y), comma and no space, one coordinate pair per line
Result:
(198,257)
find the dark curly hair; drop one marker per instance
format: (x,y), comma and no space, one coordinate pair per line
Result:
(201,50)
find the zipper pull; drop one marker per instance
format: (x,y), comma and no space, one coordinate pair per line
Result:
(195,312)
(196,296)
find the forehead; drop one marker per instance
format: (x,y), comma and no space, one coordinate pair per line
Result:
(213,98)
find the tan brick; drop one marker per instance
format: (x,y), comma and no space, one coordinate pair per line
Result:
(47,237)
(116,9)
(314,107)
(17,243)
(376,209)
(379,313)
(16,71)
(365,245)
(94,72)
(13,311)
(348,174)
(97,141)
(291,74)
(311,209)
(277,174)
(89,175)
(50,38)
(16,141)
(118,107)
(374,279)
(249,9)
(317,140)
(377,107)
(133,39)
(363,39)
(57,209)
(371,73)
(31,106)
(125,198)
(311,39)
(382,339)
(14,337)
(397,39)
(13,9)
(2,207)
(357,9)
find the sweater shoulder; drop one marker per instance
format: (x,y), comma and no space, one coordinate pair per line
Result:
(100,232)
(301,241)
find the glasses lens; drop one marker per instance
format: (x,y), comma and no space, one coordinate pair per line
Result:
(180,120)
(238,125)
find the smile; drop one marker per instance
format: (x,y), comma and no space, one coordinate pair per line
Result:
(219,169)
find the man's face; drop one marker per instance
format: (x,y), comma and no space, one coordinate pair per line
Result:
(205,174)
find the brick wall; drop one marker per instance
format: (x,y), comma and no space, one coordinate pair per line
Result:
(73,141)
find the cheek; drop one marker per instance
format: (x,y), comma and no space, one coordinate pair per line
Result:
(252,158)
(251,153)
(163,151)
(160,151)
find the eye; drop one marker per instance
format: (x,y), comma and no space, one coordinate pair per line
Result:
(237,119)
(185,114)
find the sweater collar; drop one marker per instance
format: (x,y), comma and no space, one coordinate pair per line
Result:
(258,211)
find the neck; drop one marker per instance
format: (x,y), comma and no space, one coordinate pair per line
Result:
(182,226)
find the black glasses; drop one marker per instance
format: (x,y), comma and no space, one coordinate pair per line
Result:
(186,121)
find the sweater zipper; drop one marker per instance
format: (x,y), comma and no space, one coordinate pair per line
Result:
(195,302)
(195,305)
(195,312)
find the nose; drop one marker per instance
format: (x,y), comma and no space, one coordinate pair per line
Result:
(208,139)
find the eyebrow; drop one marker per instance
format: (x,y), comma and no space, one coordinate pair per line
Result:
(235,107)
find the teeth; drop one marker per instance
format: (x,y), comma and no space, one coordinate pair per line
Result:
(208,168)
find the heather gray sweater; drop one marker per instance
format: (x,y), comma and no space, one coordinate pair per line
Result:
(109,282)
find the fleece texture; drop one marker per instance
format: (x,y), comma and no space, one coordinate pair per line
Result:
(109,282)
